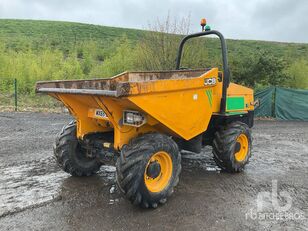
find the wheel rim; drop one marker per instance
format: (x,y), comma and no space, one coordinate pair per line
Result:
(158,172)
(242,152)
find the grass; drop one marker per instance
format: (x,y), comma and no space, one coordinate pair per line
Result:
(63,35)
(38,103)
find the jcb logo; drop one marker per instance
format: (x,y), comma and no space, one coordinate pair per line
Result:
(210,81)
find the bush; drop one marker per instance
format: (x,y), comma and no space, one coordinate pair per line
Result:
(298,72)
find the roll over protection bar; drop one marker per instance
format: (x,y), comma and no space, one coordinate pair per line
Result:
(226,76)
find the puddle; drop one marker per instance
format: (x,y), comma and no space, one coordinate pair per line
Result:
(109,172)
(29,184)
(32,184)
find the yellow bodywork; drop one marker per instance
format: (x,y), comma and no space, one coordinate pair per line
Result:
(179,103)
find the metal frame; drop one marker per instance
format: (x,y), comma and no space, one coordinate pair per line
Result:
(226,77)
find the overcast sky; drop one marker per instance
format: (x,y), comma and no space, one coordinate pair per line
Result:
(276,20)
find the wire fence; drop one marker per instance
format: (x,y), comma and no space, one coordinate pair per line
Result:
(13,98)
(9,92)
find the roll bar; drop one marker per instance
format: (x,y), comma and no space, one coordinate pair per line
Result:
(226,77)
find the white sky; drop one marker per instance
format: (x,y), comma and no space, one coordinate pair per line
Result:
(276,20)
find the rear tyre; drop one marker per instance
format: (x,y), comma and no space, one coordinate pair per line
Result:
(70,156)
(148,169)
(232,147)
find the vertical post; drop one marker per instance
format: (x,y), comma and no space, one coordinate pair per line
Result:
(273,112)
(15,89)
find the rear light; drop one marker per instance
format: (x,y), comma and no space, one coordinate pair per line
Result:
(133,118)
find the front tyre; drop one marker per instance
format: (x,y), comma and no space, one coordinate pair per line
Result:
(232,147)
(148,169)
(70,155)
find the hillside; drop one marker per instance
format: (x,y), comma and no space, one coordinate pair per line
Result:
(46,50)
(65,31)
(63,34)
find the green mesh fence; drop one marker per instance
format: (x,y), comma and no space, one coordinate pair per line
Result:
(282,103)
(291,104)
(265,98)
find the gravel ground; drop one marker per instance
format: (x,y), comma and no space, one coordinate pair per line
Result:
(36,195)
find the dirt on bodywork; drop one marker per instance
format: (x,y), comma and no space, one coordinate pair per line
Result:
(36,194)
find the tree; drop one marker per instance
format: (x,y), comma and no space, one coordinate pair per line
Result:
(157,50)
(261,68)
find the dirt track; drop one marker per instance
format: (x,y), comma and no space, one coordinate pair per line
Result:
(36,194)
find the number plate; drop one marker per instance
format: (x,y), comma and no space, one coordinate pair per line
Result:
(100,113)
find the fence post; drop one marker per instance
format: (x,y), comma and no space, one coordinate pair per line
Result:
(274,103)
(15,89)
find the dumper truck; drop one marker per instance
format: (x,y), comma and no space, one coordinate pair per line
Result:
(146,118)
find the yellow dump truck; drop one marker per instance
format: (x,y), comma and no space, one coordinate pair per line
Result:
(147,118)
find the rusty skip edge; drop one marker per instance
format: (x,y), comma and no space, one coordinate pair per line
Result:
(117,86)
(122,89)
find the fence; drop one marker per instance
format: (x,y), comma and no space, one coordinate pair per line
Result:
(8,88)
(283,103)
(13,97)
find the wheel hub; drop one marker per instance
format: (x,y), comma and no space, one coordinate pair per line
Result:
(237,147)
(153,169)
(158,172)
